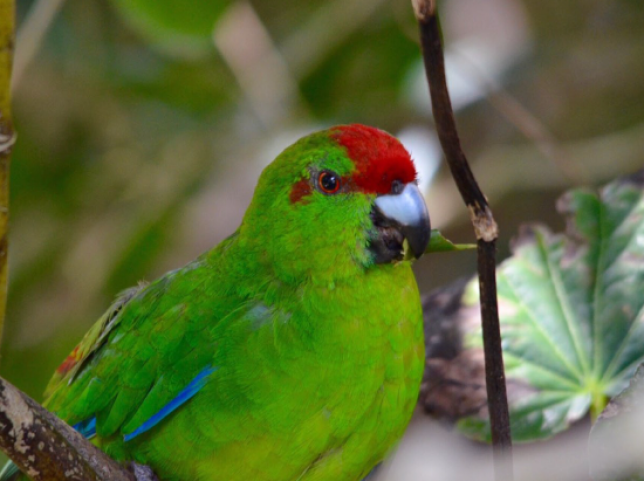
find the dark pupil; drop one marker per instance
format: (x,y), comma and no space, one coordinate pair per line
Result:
(329,181)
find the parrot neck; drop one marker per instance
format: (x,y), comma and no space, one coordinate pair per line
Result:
(292,257)
(339,294)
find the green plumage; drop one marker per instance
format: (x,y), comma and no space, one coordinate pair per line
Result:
(317,349)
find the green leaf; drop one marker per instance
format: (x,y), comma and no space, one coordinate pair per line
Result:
(572,311)
(182,27)
(438,243)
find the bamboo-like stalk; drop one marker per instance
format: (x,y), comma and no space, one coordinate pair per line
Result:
(7,137)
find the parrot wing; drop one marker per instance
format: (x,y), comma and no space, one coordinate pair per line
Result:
(149,353)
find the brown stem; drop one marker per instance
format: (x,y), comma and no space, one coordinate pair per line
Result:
(45,448)
(485,228)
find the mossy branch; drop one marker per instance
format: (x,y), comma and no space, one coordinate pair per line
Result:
(45,448)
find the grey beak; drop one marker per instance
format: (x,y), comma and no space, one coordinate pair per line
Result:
(408,212)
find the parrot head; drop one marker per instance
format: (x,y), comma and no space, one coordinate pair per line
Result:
(337,200)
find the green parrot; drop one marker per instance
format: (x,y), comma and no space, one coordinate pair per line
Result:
(292,351)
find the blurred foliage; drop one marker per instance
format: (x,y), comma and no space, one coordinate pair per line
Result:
(140,142)
(171,23)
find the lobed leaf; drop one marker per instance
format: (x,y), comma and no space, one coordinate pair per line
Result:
(572,311)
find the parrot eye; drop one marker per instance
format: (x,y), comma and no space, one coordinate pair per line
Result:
(329,182)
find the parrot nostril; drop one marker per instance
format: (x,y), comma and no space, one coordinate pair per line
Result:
(397,187)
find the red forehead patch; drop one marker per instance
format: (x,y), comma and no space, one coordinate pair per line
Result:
(380,159)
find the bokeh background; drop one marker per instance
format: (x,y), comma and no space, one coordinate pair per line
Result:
(144,124)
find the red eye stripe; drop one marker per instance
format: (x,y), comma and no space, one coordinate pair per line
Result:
(380,159)
(300,191)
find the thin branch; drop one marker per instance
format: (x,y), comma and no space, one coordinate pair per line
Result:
(45,448)
(534,130)
(485,228)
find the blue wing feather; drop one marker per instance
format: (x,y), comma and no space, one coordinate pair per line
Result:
(188,392)
(87,428)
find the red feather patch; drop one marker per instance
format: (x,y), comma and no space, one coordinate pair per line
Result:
(69,362)
(380,159)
